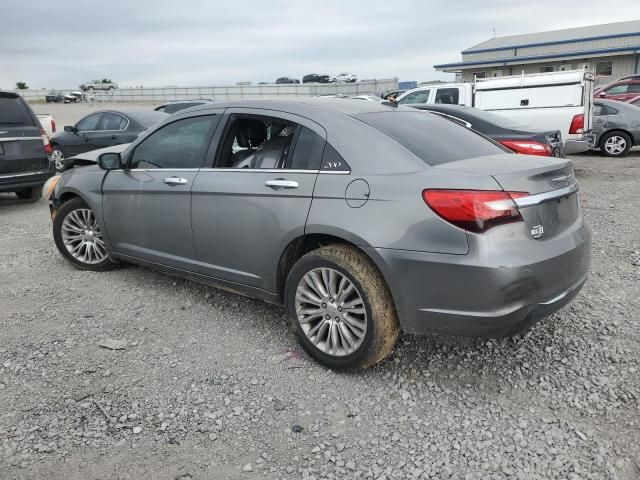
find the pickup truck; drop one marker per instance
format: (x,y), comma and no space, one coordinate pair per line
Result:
(48,123)
(104,84)
(546,101)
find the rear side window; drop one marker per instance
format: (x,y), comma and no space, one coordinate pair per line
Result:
(14,112)
(447,95)
(307,153)
(431,138)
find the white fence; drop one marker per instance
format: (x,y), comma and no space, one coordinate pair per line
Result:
(235,92)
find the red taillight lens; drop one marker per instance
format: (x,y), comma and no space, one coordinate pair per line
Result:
(53,126)
(474,210)
(577,124)
(45,141)
(528,147)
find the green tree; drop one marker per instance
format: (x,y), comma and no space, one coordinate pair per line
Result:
(21,86)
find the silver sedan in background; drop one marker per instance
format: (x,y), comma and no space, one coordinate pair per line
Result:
(616,126)
(363,219)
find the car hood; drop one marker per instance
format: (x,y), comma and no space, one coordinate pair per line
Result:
(91,157)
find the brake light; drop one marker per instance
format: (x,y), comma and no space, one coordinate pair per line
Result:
(474,210)
(577,124)
(45,141)
(528,147)
(53,126)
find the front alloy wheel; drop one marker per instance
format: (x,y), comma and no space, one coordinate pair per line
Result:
(78,236)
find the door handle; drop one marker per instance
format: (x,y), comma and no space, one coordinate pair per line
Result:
(281,183)
(175,181)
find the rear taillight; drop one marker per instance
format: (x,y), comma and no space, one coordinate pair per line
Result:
(474,210)
(577,124)
(45,140)
(53,126)
(528,147)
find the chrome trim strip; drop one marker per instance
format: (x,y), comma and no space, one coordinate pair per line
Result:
(13,139)
(532,200)
(27,174)
(245,170)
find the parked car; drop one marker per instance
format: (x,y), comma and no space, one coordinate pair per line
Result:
(617,127)
(622,89)
(104,84)
(299,204)
(516,137)
(48,123)
(634,100)
(287,80)
(544,101)
(173,107)
(101,129)
(344,77)
(315,78)
(54,96)
(25,164)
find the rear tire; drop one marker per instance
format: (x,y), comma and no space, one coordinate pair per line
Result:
(365,299)
(32,194)
(78,237)
(615,144)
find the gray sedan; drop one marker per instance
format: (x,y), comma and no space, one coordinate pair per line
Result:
(617,127)
(363,219)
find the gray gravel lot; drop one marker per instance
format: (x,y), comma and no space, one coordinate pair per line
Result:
(214,385)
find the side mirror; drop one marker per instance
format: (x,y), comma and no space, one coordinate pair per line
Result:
(70,129)
(110,161)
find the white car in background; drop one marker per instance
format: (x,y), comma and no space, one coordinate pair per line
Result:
(345,77)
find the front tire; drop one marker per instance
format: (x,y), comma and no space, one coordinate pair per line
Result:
(615,144)
(78,237)
(341,308)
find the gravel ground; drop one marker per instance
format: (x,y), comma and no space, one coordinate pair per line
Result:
(209,384)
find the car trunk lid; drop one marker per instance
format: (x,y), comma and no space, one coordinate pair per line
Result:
(551,205)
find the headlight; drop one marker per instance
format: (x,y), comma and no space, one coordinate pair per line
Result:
(49,186)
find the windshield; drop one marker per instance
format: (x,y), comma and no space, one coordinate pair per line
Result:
(431,138)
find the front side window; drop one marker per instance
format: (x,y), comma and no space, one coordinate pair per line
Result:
(604,69)
(416,97)
(447,95)
(181,144)
(89,124)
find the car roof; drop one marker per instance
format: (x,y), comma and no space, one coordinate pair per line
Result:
(304,106)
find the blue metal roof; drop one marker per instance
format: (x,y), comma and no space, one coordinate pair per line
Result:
(579,53)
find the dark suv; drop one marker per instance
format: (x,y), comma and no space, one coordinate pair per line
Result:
(25,164)
(622,89)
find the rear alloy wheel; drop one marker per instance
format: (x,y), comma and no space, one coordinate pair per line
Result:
(58,158)
(32,194)
(78,237)
(615,144)
(341,308)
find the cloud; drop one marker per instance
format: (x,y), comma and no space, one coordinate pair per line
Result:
(203,42)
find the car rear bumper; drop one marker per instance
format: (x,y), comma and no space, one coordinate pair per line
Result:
(11,182)
(579,145)
(488,293)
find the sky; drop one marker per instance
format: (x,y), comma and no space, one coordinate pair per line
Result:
(155,43)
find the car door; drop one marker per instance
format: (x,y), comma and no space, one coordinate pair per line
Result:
(147,206)
(82,140)
(244,217)
(110,130)
(599,119)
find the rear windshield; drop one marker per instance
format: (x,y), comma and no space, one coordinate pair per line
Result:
(14,112)
(147,119)
(431,138)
